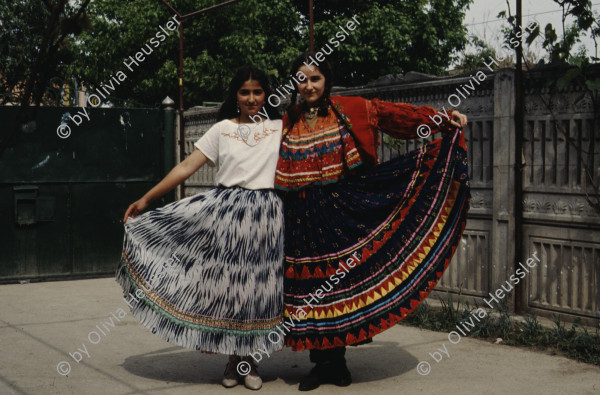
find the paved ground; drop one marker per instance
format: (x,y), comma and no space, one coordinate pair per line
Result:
(42,323)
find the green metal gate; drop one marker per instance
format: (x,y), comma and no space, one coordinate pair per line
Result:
(62,200)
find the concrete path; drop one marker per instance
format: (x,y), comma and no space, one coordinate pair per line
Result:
(41,324)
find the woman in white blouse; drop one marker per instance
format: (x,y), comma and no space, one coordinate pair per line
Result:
(208,269)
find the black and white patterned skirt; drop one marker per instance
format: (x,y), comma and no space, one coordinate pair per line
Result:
(209,270)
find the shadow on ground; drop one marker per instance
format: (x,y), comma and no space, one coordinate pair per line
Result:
(373,362)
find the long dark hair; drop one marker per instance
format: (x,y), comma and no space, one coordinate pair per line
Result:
(229,107)
(324,67)
(294,111)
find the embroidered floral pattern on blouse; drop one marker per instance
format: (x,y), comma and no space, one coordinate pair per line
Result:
(255,136)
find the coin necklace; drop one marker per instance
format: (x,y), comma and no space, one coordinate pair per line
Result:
(311,113)
(244,131)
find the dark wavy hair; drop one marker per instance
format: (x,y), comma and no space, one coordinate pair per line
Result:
(294,111)
(324,67)
(229,107)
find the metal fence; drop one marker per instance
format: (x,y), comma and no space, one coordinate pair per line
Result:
(63,199)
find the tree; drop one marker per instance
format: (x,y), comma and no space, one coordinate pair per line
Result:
(391,38)
(215,44)
(481,52)
(35,40)
(475,60)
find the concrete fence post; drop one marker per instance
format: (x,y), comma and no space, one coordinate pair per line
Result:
(168,106)
(503,218)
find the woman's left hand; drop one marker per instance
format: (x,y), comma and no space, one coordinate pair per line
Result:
(457,119)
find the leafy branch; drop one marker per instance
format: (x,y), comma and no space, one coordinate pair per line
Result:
(62,20)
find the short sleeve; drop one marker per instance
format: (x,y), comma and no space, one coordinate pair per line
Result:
(209,144)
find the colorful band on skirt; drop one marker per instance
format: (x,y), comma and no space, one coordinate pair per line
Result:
(210,268)
(361,254)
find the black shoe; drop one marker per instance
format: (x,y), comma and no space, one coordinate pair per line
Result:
(340,375)
(312,381)
(326,373)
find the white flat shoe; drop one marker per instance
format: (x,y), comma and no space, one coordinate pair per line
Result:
(253,382)
(231,378)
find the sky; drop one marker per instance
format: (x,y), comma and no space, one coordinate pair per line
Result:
(482,19)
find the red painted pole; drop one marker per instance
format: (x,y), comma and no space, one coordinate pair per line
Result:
(181,138)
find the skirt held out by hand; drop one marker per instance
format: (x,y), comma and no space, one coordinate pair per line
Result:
(210,269)
(362,253)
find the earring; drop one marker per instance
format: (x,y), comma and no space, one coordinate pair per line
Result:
(238,107)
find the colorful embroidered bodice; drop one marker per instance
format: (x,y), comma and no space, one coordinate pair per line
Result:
(315,155)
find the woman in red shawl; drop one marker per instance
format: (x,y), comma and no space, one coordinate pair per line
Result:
(365,243)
